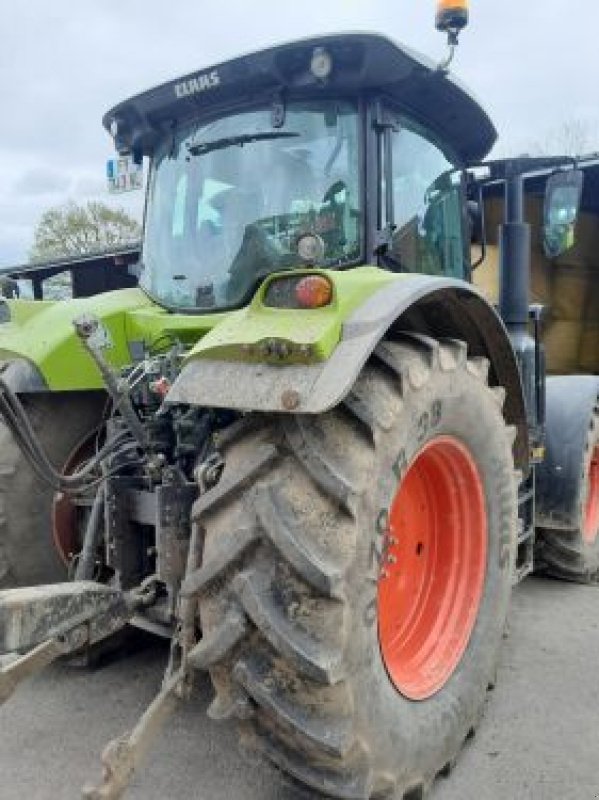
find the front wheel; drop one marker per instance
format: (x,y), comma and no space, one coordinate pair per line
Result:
(357,570)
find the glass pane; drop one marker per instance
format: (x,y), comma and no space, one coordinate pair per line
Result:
(428,234)
(228,201)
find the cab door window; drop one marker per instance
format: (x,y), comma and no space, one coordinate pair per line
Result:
(427,226)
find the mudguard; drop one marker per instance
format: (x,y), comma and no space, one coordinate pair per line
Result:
(439,307)
(571,402)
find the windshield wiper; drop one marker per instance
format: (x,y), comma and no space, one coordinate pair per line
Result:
(202,148)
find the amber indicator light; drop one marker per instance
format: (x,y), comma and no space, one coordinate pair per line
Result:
(313,291)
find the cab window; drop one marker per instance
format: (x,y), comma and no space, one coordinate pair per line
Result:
(427,226)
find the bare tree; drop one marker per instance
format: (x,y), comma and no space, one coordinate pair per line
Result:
(572,138)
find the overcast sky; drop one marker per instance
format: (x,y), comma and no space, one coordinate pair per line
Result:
(533,64)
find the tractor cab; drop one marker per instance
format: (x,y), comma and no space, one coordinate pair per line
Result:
(332,152)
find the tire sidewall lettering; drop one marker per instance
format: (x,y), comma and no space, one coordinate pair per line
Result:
(427,422)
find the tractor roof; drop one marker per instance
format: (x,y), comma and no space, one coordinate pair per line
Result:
(361,62)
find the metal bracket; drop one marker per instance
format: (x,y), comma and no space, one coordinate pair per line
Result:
(40,657)
(122,756)
(12,675)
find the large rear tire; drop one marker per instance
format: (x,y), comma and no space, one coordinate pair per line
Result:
(28,555)
(294,613)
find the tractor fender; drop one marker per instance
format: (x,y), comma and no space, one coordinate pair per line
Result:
(438,307)
(572,400)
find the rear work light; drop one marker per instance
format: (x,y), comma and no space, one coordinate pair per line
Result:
(304,291)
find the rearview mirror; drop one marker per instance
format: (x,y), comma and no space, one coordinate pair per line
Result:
(563,194)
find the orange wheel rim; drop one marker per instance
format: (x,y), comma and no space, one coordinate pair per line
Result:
(591,517)
(434,565)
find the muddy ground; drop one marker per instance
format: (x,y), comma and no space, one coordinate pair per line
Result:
(539,739)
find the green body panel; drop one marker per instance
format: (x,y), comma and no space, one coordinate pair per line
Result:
(260,333)
(42,332)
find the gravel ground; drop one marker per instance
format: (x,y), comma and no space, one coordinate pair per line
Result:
(539,739)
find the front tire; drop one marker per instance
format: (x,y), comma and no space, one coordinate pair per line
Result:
(297,535)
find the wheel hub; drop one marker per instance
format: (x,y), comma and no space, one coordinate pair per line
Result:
(433,574)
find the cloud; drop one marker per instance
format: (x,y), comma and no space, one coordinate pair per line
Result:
(64,64)
(13,246)
(89,185)
(42,181)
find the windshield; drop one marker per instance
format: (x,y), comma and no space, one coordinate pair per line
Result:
(228,201)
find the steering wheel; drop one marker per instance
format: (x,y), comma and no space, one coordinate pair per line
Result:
(334,190)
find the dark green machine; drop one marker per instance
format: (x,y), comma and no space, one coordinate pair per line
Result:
(295,449)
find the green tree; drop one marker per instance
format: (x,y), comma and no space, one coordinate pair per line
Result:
(71,229)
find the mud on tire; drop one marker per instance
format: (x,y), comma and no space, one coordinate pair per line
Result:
(288,583)
(27,552)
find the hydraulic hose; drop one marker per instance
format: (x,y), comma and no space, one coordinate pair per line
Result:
(80,481)
(83,479)
(24,430)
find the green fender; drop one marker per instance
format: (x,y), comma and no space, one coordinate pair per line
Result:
(41,351)
(38,340)
(437,307)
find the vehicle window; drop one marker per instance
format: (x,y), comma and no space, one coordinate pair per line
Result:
(427,205)
(229,199)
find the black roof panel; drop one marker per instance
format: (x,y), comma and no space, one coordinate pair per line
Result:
(361,62)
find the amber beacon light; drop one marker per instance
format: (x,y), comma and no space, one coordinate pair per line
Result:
(452,15)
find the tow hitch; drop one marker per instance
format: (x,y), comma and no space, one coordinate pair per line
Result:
(42,623)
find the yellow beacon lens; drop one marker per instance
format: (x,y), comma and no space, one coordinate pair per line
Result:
(452,15)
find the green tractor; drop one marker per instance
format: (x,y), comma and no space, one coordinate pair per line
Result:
(304,448)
